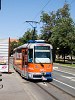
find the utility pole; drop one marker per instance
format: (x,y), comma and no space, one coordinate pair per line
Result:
(34,27)
(0,4)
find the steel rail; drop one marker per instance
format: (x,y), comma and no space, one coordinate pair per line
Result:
(61,89)
(47,92)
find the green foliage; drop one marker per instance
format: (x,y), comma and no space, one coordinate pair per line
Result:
(25,38)
(58,29)
(28,36)
(13,45)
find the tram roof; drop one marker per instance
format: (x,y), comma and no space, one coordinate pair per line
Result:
(30,45)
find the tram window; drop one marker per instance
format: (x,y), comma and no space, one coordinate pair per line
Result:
(42,54)
(30,54)
(18,54)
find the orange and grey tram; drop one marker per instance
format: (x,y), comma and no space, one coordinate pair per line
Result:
(33,60)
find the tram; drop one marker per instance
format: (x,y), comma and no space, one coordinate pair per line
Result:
(33,60)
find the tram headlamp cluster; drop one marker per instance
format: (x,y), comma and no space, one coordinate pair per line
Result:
(31,75)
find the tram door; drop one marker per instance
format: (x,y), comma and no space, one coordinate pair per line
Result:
(24,61)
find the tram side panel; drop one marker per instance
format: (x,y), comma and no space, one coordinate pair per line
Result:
(21,62)
(17,61)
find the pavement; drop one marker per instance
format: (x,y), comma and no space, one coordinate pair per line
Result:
(13,88)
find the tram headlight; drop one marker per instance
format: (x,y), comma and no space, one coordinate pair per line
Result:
(31,75)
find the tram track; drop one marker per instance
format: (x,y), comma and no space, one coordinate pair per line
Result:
(62,90)
(55,98)
(56,92)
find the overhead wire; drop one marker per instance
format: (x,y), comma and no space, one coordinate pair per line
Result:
(45,6)
(42,9)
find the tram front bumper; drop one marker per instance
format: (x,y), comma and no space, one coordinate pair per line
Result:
(42,76)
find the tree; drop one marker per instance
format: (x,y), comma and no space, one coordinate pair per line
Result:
(28,36)
(58,29)
(24,39)
(13,45)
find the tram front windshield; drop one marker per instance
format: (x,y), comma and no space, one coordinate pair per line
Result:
(42,54)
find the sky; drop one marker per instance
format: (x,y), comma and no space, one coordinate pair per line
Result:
(15,13)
